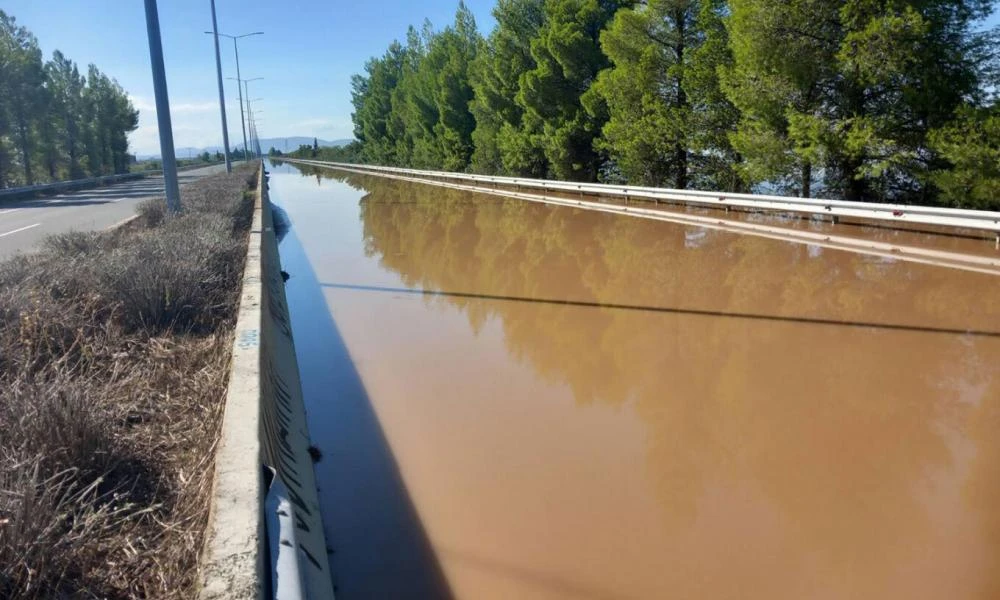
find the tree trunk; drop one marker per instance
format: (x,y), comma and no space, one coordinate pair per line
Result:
(681,158)
(22,127)
(857,189)
(3,153)
(807,179)
(680,148)
(74,161)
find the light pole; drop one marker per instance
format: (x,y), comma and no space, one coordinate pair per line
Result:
(247,90)
(254,119)
(250,123)
(222,95)
(256,133)
(236,49)
(170,186)
(246,84)
(256,137)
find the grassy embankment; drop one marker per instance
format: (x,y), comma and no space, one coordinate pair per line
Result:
(114,353)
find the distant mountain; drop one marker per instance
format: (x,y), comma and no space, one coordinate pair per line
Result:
(287,144)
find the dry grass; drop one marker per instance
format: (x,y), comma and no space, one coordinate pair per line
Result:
(114,351)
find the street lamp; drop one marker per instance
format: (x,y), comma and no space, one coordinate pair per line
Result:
(247,90)
(222,94)
(236,49)
(254,120)
(170,187)
(246,84)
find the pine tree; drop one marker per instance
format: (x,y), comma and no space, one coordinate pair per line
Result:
(970,147)
(851,88)
(23,76)
(567,57)
(371,95)
(663,98)
(502,144)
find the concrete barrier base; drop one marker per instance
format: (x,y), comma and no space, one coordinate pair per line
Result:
(262,458)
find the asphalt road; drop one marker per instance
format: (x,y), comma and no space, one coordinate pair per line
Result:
(24,223)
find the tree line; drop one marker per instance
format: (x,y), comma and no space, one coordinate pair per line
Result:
(55,122)
(873,101)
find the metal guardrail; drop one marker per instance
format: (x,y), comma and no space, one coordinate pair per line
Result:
(59,186)
(979,220)
(75,184)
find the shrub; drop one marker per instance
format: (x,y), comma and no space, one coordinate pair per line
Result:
(152,212)
(114,349)
(195,256)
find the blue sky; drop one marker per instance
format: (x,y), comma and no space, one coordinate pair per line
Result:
(309,50)
(307,55)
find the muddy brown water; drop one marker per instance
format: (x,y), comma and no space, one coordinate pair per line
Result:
(524,401)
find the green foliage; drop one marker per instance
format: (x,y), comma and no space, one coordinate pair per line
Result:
(351,153)
(667,114)
(849,90)
(54,122)
(371,96)
(502,143)
(568,58)
(508,140)
(412,106)
(844,98)
(971,147)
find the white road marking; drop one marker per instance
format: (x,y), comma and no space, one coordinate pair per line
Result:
(9,210)
(19,230)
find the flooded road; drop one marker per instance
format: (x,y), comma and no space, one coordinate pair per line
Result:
(516,400)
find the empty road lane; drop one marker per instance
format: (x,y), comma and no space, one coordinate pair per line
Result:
(24,223)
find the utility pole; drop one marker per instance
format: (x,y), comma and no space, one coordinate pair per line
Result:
(222,94)
(171,188)
(236,50)
(246,157)
(249,117)
(246,84)
(250,122)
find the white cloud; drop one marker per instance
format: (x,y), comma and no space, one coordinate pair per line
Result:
(146,105)
(322,126)
(195,124)
(142,104)
(193,107)
(145,140)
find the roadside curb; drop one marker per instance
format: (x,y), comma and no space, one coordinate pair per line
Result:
(121,223)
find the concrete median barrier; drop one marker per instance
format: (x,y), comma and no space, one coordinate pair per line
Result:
(265,536)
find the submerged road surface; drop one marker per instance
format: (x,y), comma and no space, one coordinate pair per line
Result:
(515,400)
(24,223)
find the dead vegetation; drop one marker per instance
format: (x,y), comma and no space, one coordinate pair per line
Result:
(114,350)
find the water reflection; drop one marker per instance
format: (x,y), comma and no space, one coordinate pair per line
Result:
(282,224)
(379,548)
(813,423)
